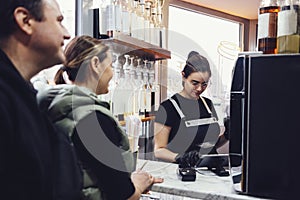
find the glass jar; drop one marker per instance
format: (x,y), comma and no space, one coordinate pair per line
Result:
(267,26)
(288,27)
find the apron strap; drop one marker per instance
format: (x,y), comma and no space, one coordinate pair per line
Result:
(177,108)
(205,104)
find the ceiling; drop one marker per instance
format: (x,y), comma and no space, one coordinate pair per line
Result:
(243,8)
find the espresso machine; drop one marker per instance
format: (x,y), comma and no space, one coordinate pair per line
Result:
(264,125)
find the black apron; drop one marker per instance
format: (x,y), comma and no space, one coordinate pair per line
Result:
(195,134)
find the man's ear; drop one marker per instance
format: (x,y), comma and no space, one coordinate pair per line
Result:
(183,74)
(23,19)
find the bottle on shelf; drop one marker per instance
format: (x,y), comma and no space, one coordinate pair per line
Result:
(146,93)
(138,72)
(123,97)
(161,28)
(139,86)
(110,18)
(117,70)
(153,85)
(147,16)
(134,19)
(288,27)
(102,14)
(153,26)
(133,84)
(118,15)
(140,20)
(267,26)
(125,22)
(131,65)
(126,65)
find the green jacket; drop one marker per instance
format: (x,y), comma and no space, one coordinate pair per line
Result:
(66,105)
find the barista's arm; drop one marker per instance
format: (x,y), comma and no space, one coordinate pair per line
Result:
(161,136)
(224,137)
(221,141)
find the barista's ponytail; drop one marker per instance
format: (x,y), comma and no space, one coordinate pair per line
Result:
(196,63)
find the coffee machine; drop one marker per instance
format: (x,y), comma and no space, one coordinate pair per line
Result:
(264,125)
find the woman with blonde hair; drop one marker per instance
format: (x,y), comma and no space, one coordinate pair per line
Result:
(100,142)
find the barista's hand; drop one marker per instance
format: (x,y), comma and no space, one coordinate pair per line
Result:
(188,159)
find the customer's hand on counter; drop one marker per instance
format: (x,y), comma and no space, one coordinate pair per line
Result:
(142,181)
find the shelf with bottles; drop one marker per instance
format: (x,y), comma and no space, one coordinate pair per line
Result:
(134,86)
(125,44)
(134,27)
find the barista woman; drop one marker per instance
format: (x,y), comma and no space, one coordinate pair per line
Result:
(186,127)
(101,144)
